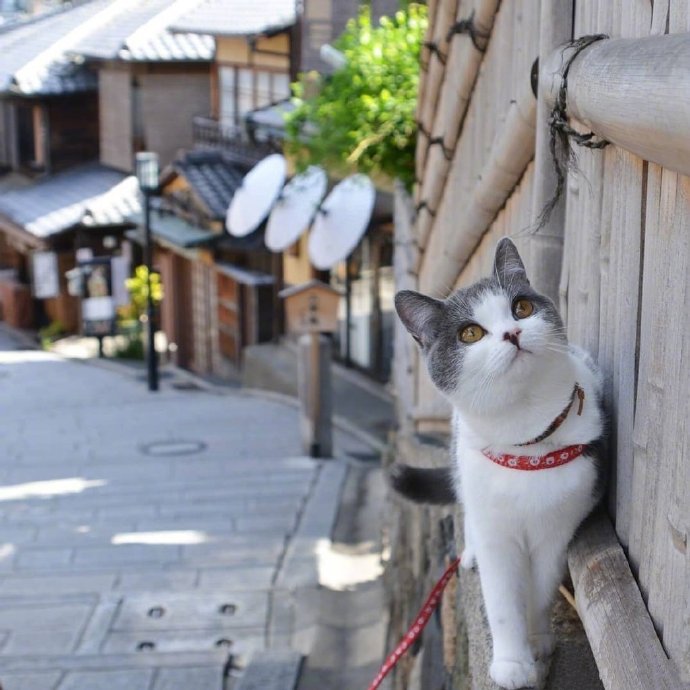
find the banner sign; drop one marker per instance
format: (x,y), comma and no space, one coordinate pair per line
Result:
(46,278)
(98,305)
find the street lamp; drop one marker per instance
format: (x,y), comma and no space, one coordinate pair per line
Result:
(147,175)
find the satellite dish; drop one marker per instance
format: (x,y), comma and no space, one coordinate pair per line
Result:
(256,195)
(341,221)
(295,208)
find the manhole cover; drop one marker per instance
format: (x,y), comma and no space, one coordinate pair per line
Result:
(173,447)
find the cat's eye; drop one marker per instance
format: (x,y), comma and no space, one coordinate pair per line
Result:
(522,308)
(471,333)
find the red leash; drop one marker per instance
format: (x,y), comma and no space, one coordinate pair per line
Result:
(418,626)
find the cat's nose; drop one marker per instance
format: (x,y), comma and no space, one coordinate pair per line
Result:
(513,336)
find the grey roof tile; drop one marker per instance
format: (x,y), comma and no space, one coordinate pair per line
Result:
(92,195)
(34,52)
(42,55)
(173,229)
(238,17)
(212,177)
(138,31)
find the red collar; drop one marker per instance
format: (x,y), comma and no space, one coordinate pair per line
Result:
(577,391)
(556,458)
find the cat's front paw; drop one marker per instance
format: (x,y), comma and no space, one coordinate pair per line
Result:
(513,675)
(468,560)
(542,645)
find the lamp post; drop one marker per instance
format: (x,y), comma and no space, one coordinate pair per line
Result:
(147,175)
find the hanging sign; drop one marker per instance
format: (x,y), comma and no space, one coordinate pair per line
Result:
(46,279)
(98,305)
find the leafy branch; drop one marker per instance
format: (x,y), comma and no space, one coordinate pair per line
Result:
(363,116)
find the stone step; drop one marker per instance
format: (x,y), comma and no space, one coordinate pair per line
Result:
(271,670)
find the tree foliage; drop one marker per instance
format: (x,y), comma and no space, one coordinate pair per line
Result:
(138,287)
(363,117)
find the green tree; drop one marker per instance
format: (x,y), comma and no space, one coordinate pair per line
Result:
(363,117)
(138,288)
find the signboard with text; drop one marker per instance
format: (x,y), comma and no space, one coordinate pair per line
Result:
(45,275)
(97,305)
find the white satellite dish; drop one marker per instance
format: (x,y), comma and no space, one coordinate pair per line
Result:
(341,221)
(254,199)
(295,208)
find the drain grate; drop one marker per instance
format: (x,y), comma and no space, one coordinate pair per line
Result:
(173,447)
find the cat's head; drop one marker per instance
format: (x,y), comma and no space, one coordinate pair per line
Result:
(489,340)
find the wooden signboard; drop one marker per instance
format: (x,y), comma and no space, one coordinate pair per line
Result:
(311,307)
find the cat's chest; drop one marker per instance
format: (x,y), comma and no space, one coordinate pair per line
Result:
(484,482)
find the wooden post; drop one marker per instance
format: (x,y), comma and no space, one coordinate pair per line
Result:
(634,93)
(315,394)
(312,309)
(457,235)
(545,248)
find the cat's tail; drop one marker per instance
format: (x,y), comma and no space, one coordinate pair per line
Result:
(423,484)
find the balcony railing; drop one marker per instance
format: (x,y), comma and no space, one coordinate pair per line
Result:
(233,141)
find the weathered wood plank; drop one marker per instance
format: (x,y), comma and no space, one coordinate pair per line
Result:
(665,318)
(625,645)
(625,238)
(405,359)
(546,245)
(679,16)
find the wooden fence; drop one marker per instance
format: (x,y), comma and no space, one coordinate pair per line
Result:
(614,254)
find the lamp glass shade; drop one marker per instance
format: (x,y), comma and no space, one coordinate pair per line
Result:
(147,170)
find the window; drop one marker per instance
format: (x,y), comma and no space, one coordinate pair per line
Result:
(243,89)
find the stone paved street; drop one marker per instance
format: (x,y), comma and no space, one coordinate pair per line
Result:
(145,538)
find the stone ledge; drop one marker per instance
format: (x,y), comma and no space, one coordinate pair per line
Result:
(271,670)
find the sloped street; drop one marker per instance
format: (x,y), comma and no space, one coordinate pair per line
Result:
(150,541)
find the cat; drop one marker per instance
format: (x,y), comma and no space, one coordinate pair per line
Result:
(521,397)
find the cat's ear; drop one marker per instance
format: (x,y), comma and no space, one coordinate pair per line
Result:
(508,266)
(420,315)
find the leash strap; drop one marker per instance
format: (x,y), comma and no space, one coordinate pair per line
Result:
(416,629)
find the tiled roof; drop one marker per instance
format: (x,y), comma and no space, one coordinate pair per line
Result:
(172,229)
(238,17)
(212,177)
(91,195)
(33,53)
(44,55)
(138,30)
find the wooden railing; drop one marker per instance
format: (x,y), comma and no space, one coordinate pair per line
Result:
(210,133)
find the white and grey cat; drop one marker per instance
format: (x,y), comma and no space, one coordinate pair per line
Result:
(498,352)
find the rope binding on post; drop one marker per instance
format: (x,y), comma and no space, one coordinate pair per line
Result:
(562,133)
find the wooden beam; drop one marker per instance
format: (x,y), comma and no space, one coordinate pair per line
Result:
(634,93)
(457,232)
(447,110)
(22,240)
(625,645)
(444,15)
